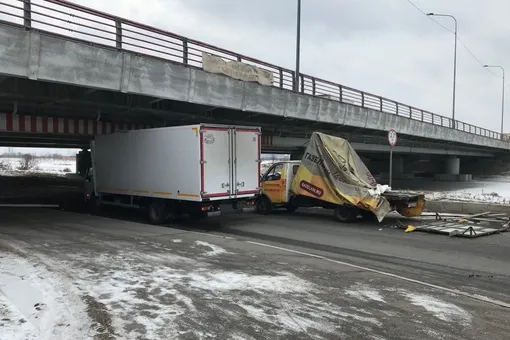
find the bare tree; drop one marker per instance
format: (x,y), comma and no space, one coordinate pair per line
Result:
(27,162)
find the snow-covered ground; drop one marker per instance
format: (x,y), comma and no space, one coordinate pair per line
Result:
(86,296)
(36,305)
(10,166)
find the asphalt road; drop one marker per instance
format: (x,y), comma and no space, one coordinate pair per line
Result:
(480,265)
(104,278)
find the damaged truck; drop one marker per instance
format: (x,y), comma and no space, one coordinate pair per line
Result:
(331,175)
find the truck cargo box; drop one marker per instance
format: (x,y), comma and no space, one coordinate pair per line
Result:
(198,162)
(333,172)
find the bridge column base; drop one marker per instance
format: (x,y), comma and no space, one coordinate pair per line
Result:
(452,169)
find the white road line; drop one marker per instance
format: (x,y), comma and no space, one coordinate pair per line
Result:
(450,290)
(215,235)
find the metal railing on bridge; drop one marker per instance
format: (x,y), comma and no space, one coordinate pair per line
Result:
(82,23)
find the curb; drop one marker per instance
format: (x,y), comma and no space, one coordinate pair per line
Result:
(469,208)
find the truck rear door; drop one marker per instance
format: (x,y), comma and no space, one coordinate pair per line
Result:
(216,155)
(246,149)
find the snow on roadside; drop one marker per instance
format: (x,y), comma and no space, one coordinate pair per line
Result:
(441,309)
(364,293)
(42,166)
(35,304)
(466,196)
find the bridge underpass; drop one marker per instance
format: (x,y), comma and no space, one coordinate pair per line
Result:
(62,77)
(18,130)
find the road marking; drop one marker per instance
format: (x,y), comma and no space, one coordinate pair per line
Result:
(215,235)
(450,290)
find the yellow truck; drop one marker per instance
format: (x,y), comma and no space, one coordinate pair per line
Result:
(331,175)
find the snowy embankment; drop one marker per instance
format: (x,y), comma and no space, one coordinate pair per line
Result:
(13,166)
(465,196)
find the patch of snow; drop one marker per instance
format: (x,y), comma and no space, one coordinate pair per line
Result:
(35,304)
(442,310)
(215,250)
(467,196)
(364,293)
(177,240)
(42,166)
(225,281)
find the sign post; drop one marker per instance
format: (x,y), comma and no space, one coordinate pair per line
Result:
(392,140)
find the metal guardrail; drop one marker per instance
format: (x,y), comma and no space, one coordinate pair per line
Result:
(79,22)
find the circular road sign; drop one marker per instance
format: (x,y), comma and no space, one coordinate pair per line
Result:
(392,137)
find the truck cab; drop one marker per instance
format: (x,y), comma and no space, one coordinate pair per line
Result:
(276,193)
(275,184)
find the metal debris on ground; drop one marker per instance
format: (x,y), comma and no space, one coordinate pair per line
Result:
(470,226)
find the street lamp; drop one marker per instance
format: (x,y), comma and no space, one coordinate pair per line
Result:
(454,60)
(298,43)
(502,96)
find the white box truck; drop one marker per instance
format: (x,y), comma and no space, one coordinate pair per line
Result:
(176,170)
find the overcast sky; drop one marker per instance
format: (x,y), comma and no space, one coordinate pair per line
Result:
(386,47)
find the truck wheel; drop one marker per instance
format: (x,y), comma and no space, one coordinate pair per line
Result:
(346,213)
(264,206)
(157,212)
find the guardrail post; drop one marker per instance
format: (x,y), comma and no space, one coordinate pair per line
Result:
(396,108)
(294,81)
(421,111)
(185,51)
(118,33)
(281,78)
(442,120)
(340,94)
(239,58)
(302,83)
(362,99)
(313,86)
(27,14)
(380,104)
(410,112)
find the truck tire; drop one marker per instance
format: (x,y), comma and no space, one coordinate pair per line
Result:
(157,212)
(264,205)
(346,214)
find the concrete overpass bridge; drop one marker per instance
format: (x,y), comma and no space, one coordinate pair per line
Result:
(63,62)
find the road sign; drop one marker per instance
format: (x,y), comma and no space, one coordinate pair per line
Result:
(392,137)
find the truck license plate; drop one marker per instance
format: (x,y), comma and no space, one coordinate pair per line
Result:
(411,205)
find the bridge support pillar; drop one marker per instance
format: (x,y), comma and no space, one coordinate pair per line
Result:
(452,171)
(453,166)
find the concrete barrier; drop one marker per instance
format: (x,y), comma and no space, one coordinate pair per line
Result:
(465,207)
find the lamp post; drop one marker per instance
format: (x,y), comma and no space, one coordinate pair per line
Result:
(298,44)
(502,96)
(454,60)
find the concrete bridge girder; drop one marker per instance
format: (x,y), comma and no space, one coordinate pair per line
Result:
(58,60)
